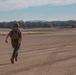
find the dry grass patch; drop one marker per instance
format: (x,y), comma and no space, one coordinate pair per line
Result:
(24,33)
(3,33)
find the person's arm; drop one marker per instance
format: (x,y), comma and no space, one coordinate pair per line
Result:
(6,38)
(20,39)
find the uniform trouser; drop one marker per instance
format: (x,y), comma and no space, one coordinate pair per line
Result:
(16,46)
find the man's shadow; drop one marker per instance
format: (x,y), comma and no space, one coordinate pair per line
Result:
(5,64)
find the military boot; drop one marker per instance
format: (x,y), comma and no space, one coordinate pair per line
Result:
(15,58)
(12,60)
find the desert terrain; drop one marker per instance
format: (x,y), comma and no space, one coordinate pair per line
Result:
(53,52)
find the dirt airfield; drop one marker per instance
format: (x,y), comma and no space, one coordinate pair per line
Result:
(50,53)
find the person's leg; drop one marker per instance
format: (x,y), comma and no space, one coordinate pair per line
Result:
(16,56)
(14,43)
(14,53)
(13,56)
(17,47)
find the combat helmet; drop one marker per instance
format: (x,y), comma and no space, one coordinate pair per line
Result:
(16,25)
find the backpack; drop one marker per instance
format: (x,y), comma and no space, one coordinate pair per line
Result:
(15,34)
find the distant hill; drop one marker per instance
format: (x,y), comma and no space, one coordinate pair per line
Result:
(37,21)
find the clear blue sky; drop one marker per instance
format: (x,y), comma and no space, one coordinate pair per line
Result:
(49,11)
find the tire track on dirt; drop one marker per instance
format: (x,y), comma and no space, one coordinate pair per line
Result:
(44,70)
(22,51)
(55,43)
(48,61)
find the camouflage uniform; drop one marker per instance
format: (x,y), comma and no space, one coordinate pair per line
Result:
(16,37)
(15,44)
